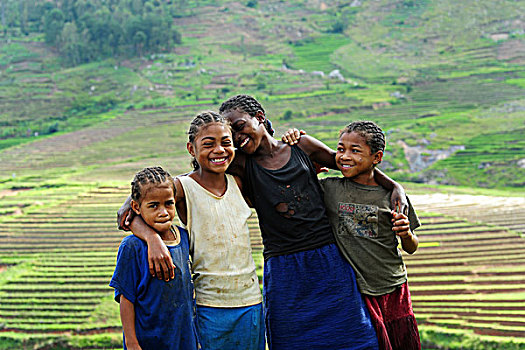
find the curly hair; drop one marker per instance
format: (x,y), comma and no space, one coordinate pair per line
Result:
(249,105)
(198,122)
(374,136)
(150,175)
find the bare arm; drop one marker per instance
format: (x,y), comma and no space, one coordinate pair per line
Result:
(236,167)
(127,317)
(159,257)
(325,156)
(399,198)
(239,184)
(318,151)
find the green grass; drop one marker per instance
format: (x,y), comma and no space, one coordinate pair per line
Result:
(428,72)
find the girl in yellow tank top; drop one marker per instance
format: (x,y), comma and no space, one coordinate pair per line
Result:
(210,204)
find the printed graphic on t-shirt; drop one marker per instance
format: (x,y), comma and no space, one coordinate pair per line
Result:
(358,219)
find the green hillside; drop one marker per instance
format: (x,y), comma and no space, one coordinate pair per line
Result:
(444,79)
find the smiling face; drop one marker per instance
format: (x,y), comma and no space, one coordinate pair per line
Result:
(355,159)
(213,147)
(247,130)
(157,206)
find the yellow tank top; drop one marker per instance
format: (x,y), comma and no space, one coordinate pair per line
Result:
(223,267)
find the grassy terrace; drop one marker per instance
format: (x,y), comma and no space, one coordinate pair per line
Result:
(469,278)
(57,263)
(444,79)
(56,280)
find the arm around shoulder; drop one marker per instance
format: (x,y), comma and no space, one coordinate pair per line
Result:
(399,198)
(125,215)
(159,257)
(236,167)
(318,151)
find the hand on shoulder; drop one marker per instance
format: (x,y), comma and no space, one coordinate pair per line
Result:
(292,136)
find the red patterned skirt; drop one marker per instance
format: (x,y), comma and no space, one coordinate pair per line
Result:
(394,320)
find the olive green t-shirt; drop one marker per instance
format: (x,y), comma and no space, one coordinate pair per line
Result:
(360,217)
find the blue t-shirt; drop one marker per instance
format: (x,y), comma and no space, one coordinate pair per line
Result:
(164,311)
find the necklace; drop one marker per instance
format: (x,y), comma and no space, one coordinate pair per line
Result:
(172,230)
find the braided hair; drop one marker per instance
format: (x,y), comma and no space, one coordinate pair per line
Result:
(150,175)
(249,105)
(374,136)
(198,122)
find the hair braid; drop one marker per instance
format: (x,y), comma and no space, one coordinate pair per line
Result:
(150,175)
(374,136)
(249,105)
(198,122)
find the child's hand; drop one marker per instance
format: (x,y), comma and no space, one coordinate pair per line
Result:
(401,225)
(409,240)
(292,136)
(319,168)
(125,215)
(399,200)
(159,259)
(127,220)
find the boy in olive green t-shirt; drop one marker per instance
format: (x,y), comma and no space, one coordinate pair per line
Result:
(366,231)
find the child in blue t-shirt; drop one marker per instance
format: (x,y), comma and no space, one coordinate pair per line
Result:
(163,319)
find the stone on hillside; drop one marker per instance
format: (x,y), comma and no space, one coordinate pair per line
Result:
(484,165)
(336,74)
(318,73)
(521,163)
(499,36)
(397,95)
(379,105)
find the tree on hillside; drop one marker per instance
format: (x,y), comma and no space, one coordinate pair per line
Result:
(2,9)
(71,43)
(102,28)
(22,7)
(136,7)
(53,25)
(139,40)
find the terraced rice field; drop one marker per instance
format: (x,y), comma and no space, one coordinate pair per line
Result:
(470,274)
(58,262)
(62,258)
(503,211)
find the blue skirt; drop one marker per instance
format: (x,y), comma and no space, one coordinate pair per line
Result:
(230,328)
(311,301)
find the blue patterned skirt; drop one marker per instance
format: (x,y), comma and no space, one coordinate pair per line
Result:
(311,302)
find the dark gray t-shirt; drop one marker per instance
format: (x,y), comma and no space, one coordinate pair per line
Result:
(360,217)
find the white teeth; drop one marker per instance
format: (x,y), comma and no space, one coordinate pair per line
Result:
(218,160)
(244,143)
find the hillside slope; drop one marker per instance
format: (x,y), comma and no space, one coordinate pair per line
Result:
(445,80)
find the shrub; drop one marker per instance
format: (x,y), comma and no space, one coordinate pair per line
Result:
(287,115)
